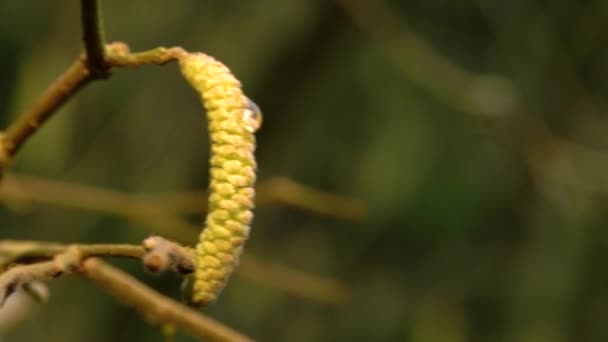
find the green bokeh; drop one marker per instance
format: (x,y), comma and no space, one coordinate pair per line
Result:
(466,240)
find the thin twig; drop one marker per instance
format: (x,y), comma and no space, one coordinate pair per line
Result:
(180,259)
(67,85)
(298,283)
(14,251)
(156,253)
(66,260)
(120,56)
(93,36)
(64,87)
(279,190)
(17,276)
(155,307)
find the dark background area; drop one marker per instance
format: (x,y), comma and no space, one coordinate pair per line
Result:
(473,131)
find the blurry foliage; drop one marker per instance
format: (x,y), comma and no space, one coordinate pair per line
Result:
(466,239)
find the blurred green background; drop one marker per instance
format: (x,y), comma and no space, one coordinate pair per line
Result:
(474,132)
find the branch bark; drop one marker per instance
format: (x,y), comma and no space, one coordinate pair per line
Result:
(76,260)
(159,215)
(61,90)
(93,36)
(155,307)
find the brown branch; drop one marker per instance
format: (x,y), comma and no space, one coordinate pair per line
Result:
(66,260)
(14,251)
(24,189)
(95,63)
(148,208)
(298,283)
(155,307)
(279,190)
(53,97)
(93,37)
(16,276)
(19,275)
(157,254)
(120,56)
(66,86)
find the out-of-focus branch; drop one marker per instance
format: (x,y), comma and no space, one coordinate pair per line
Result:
(279,190)
(148,208)
(154,215)
(93,36)
(24,189)
(482,95)
(274,275)
(155,307)
(553,162)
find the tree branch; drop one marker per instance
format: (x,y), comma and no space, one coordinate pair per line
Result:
(68,260)
(155,307)
(142,207)
(93,36)
(14,251)
(120,56)
(19,275)
(277,190)
(157,254)
(66,85)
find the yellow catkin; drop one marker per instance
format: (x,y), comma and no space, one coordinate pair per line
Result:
(233,119)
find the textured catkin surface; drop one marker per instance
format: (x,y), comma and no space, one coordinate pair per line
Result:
(233,119)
